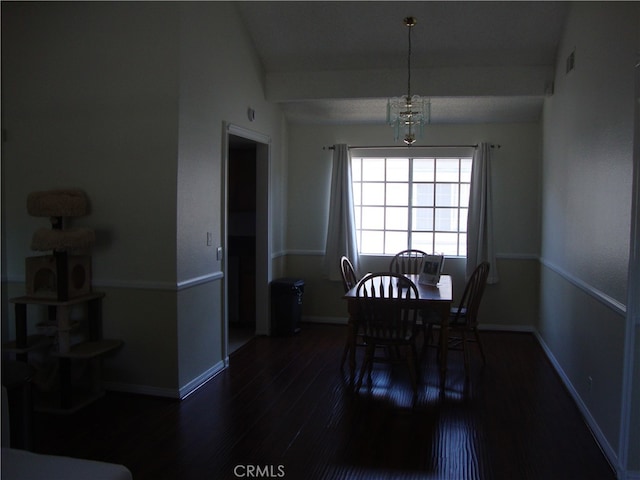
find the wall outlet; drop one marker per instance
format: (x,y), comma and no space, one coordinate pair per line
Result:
(219,253)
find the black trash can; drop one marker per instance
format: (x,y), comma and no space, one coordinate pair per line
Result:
(286,306)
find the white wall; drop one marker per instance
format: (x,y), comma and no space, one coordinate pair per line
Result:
(587,191)
(516,171)
(220,78)
(126,100)
(90,100)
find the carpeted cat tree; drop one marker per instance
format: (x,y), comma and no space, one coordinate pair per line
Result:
(66,273)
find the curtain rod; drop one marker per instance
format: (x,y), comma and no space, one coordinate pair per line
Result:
(404,147)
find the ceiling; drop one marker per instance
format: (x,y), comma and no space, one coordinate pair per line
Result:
(337,62)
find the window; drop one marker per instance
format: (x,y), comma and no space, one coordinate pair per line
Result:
(411,202)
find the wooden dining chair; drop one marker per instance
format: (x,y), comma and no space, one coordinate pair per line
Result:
(408,261)
(349,280)
(387,320)
(463,321)
(411,262)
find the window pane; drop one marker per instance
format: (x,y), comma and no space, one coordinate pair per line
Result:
(358,213)
(446,243)
(423,170)
(397,194)
(447,170)
(447,195)
(373,193)
(372,242)
(423,194)
(447,219)
(464,194)
(356,165)
(422,241)
(462,244)
(463,219)
(398,219)
(373,218)
(373,169)
(465,169)
(395,242)
(422,219)
(397,169)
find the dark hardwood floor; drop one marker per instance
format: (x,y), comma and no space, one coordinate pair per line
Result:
(284,406)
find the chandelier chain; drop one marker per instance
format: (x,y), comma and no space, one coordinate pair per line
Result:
(409,66)
(408,113)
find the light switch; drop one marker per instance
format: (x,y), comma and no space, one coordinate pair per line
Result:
(209,239)
(219,253)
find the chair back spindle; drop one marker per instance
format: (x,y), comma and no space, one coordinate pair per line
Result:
(408,262)
(387,318)
(384,311)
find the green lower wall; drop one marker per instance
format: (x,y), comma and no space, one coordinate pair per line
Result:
(512,303)
(144,319)
(585,339)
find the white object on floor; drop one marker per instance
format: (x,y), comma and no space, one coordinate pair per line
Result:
(23,465)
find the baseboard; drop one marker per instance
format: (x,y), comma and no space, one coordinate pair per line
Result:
(601,439)
(499,328)
(488,326)
(141,389)
(200,380)
(329,320)
(178,394)
(506,328)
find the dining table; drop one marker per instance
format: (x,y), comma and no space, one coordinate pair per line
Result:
(434,298)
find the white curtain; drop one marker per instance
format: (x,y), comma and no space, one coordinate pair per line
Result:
(341,234)
(480,220)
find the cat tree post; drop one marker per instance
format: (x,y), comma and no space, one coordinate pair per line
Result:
(61,282)
(59,275)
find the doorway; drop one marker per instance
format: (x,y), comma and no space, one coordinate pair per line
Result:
(247,260)
(241,241)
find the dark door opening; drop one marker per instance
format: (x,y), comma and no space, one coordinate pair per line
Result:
(241,286)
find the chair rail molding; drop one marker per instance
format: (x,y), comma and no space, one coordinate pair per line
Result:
(615,305)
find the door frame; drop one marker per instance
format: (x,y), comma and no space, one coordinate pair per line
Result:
(263,229)
(629,439)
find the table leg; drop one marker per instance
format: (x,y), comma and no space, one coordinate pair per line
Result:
(444,345)
(352,332)
(352,349)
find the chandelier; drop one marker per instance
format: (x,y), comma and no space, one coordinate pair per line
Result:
(408,114)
